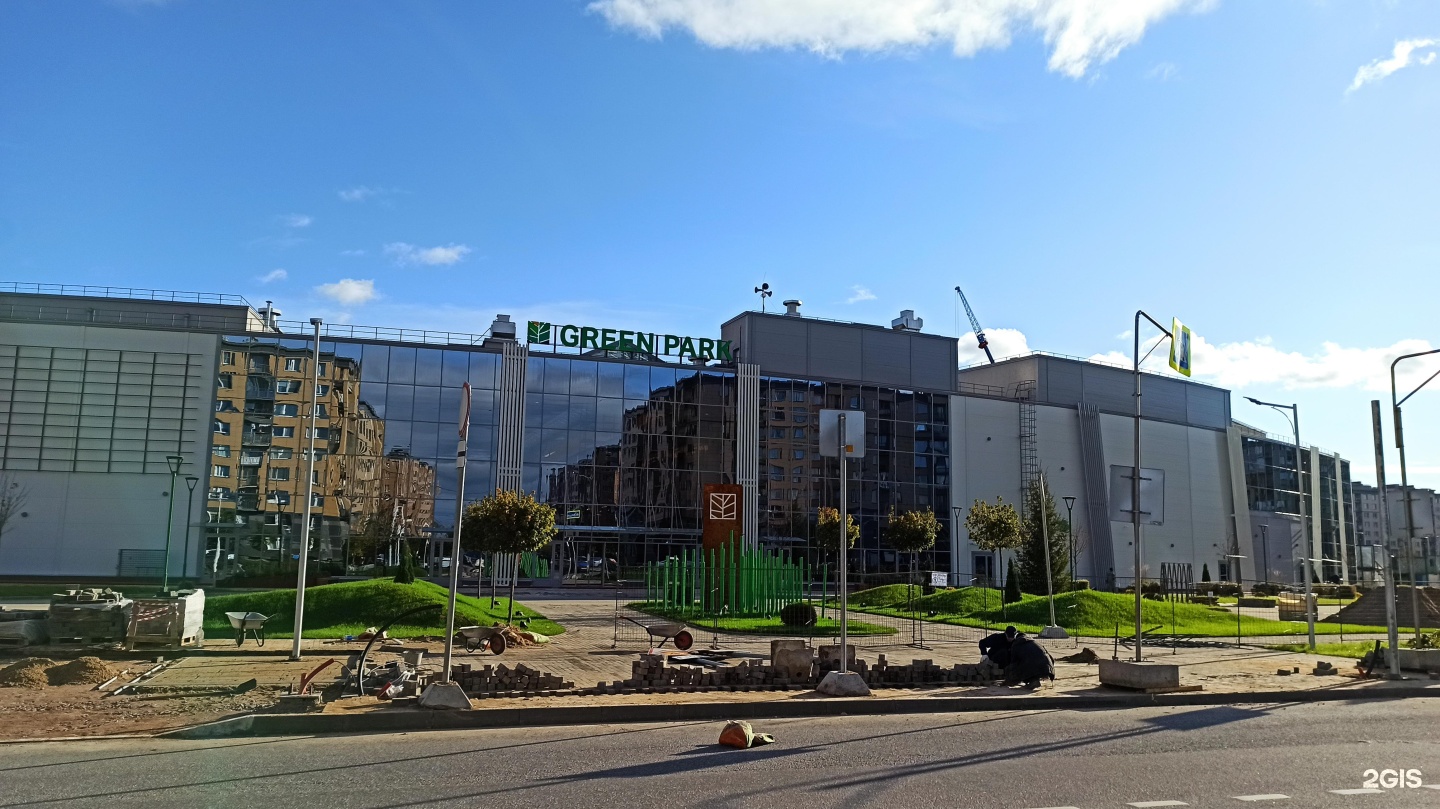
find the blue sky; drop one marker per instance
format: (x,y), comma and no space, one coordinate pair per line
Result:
(1267,172)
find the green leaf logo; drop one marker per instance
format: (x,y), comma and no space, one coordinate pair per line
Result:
(538,332)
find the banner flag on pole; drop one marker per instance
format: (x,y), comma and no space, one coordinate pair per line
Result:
(1180,347)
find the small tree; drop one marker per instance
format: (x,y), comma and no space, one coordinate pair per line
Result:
(1032,552)
(1205,572)
(827,531)
(994,527)
(511,523)
(406,573)
(1012,584)
(912,532)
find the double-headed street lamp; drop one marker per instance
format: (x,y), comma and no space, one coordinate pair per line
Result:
(1294,418)
(174,462)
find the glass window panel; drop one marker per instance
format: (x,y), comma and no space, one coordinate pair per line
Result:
(425,443)
(456,368)
(402,365)
(400,403)
(374,396)
(534,408)
(556,412)
(583,413)
(482,370)
(553,446)
(637,382)
(612,379)
(557,375)
(397,435)
(535,375)
(583,378)
(531,449)
(582,446)
(427,403)
(428,363)
(375,363)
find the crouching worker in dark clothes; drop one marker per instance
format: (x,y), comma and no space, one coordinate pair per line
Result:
(1029,663)
(997,646)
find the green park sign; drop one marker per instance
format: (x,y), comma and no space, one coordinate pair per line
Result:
(633,342)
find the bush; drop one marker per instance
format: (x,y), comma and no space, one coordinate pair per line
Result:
(1266,589)
(1335,591)
(1222,589)
(798,615)
(1078,584)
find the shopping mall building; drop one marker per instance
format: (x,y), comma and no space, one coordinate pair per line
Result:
(620,429)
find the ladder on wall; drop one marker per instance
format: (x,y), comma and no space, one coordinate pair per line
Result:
(1029,457)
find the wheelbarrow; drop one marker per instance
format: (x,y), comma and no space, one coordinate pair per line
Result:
(482,637)
(252,622)
(665,630)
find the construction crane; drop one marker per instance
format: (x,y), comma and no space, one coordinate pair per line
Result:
(975,324)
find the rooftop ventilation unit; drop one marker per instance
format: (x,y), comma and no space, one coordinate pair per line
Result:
(907,321)
(792,307)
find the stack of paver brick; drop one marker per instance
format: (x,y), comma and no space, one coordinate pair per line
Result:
(925,672)
(88,616)
(502,680)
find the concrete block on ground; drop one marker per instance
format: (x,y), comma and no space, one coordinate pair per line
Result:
(300,703)
(1419,659)
(843,684)
(792,658)
(445,696)
(1139,676)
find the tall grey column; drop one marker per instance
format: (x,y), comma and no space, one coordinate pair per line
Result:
(747,447)
(510,442)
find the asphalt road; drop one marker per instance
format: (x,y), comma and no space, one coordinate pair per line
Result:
(1212,756)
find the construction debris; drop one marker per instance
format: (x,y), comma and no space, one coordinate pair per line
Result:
(502,680)
(1086,655)
(85,617)
(742,736)
(80,671)
(27,672)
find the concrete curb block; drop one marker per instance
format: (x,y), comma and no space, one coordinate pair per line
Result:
(398,721)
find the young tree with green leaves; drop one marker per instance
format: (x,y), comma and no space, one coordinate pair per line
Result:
(994,527)
(827,531)
(510,523)
(1032,552)
(912,532)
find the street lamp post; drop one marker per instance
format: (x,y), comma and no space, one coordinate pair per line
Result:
(190,482)
(955,545)
(1309,569)
(174,462)
(1135,481)
(309,496)
(1070,529)
(1405,480)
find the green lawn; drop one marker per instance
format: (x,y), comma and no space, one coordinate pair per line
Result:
(348,608)
(1095,613)
(1356,649)
(763,626)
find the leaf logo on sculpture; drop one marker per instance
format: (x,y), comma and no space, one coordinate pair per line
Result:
(722,505)
(538,332)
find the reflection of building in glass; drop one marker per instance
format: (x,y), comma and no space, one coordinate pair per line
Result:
(1274,498)
(260,449)
(407,495)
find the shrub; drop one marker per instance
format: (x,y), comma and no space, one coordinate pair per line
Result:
(1335,591)
(1012,584)
(1222,589)
(798,614)
(1078,584)
(1263,589)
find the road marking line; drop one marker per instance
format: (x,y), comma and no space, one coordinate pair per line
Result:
(1357,792)
(1274,796)
(1148,804)
(1058,807)
(1430,786)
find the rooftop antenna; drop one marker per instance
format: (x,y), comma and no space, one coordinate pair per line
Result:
(764,292)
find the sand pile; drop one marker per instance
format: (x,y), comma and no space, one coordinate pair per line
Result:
(80,671)
(26,673)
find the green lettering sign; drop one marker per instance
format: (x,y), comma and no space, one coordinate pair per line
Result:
(627,341)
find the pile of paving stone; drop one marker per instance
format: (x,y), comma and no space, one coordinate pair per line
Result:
(504,681)
(925,672)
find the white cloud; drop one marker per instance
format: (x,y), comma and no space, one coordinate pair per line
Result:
(1162,72)
(349,291)
(1003,343)
(1400,57)
(861,294)
(352,253)
(274,275)
(431,256)
(1259,362)
(296,220)
(360,193)
(1080,33)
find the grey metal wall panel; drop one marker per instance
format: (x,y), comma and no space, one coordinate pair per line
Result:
(778,346)
(1163,399)
(1002,375)
(932,364)
(1207,407)
(887,358)
(835,351)
(1064,384)
(1109,389)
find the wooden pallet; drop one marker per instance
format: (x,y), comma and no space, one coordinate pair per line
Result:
(163,643)
(14,643)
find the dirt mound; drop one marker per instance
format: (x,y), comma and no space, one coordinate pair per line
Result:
(80,671)
(26,673)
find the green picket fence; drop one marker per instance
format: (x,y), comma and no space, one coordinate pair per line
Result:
(738,580)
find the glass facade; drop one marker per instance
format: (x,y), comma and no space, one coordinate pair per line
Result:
(621,449)
(1271,486)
